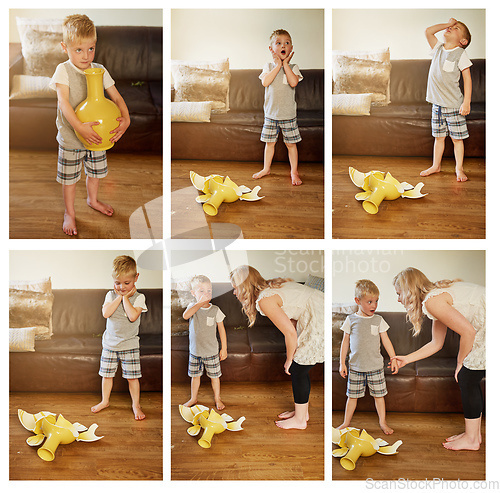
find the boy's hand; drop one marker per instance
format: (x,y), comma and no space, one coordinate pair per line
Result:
(130,293)
(88,133)
(465,109)
(276,58)
(223,354)
(124,123)
(117,293)
(452,22)
(343,371)
(286,61)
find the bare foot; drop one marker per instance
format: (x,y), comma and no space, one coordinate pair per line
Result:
(430,171)
(342,426)
(99,407)
(461,176)
(101,207)
(219,404)
(291,424)
(290,414)
(139,415)
(69,225)
(260,174)
(296,179)
(462,443)
(191,402)
(386,429)
(460,435)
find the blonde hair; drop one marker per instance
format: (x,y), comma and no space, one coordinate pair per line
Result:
(365,287)
(466,33)
(279,32)
(76,28)
(199,279)
(413,285)
(123,265)
(248,283)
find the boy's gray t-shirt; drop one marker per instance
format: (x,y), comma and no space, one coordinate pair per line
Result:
(203,331)
(66,73)
(279,98)
(443,86)
(364,342)
(121,334)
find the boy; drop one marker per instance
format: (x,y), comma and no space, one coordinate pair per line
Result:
(363,332)
(122,308)
(449,106)
(205,320)
(280,110)
(79,40)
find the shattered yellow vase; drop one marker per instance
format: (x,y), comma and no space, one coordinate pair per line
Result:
(355,443)
(98,108)
(217,189)
(54,432)
(378,186)
(211,422)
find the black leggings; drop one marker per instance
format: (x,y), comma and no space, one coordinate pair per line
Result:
(472,395)
(301,383)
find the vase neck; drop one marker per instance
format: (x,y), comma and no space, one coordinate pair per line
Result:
(95,88)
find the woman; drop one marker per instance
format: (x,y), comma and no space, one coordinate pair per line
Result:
(461,307)
(297,311)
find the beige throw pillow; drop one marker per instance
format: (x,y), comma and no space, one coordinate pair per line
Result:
(195,85)
(351,104)
(31,309)
(22,339)
(29,86)
(188,111)
(42,52)
(357,76)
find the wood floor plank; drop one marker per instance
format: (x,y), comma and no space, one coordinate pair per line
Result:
(37,207)
(421,456)
(450,210)
(130,450)
(286,211)
(261,451)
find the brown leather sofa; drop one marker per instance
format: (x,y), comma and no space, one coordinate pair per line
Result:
(403,128)
(69,361)
(427,385)
(133,57)
(235,135)
(254,354)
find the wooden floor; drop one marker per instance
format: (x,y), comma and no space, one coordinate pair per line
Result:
(421,456)
(261,451)
(286,211)
(36,205)
(130,450)
(450,210)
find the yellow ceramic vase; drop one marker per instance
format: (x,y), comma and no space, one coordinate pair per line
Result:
(362,445)
(97,108)
(60,432)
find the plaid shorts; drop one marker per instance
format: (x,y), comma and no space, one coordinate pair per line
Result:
(130,360)
(70,162)
(358,380)
(448,121)
(289,128)
(211,364)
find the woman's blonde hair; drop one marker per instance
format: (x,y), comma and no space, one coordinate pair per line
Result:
(413,285)
(248,283)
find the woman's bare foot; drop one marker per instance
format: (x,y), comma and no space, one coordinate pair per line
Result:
(461,176)
(290,414)
(343,425)
(296,179)
(139,415)
(430,171)
(460,435)
(101,207)
(69,225)
(99,407)
(463,442)
(293,423)
(260,174)
(219,404)
(191,402)
(386,429)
